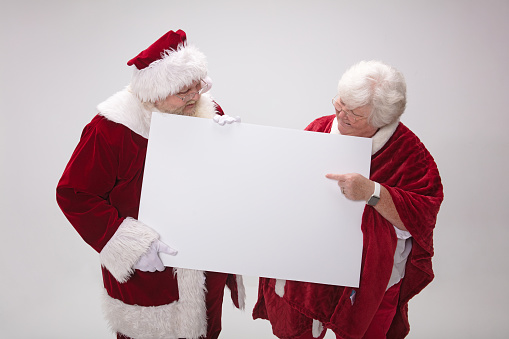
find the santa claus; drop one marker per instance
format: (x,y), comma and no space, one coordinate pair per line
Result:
(99,193)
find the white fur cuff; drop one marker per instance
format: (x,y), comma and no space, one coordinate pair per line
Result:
(123,250)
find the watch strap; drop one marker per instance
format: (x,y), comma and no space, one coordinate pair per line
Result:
(375,197)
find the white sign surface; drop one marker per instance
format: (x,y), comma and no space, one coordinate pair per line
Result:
(254,200)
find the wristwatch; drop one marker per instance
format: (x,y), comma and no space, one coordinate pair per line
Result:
(375,197)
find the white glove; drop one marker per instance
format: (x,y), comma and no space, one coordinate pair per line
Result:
(150,261)
(225,119)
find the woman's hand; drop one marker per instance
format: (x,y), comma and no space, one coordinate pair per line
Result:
(354,185)
(357,187)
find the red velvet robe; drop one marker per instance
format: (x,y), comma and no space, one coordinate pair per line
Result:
(99,192)
(401,164)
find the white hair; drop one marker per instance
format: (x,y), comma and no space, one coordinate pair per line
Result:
(376,84)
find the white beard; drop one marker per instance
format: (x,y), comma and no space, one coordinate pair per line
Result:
(126,109)
(176,111)
(180,110)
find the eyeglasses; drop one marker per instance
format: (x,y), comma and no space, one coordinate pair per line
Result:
(202,87)
(350,114)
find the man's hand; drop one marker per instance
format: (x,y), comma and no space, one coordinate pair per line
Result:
(150,261)
(225,119)
(354,185)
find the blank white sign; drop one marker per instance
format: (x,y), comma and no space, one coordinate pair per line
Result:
(254,200)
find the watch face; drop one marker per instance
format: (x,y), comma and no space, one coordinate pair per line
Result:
(373,200)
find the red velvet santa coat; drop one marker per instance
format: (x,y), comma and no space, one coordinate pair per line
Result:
(400,163)
(99,193)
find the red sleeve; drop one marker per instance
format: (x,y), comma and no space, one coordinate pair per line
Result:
(410,174)
(83,190)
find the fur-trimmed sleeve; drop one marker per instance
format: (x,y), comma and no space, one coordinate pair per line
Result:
(131,240)
(85,193)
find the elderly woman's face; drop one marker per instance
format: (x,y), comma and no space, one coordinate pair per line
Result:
(354,121)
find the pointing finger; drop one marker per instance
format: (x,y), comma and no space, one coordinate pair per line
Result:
(338,177)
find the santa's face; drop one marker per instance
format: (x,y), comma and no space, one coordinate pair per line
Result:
(182,103)
(354,121)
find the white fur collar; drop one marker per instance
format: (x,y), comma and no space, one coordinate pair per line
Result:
(380,137)
(124,108)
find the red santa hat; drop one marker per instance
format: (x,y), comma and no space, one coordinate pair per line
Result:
(167,66)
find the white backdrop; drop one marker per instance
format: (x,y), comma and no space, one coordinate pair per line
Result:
(274,63)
